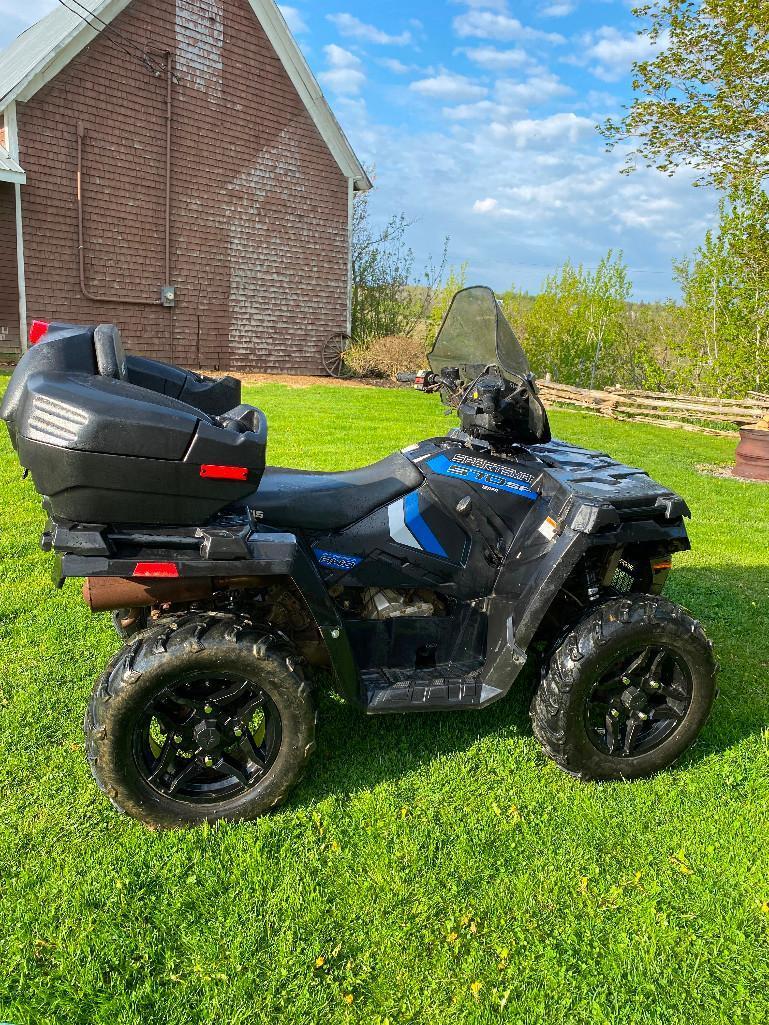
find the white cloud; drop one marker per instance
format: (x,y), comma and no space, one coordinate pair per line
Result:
(488,25)
(352,27)
(537,89)
(485,206)
(558,10)
(491,59)
(344,74)
(294,19)
(397,67)
(492,5)
(610,53)
(511,99)
(481,112)
(449,86)
(565,127)
(557,195)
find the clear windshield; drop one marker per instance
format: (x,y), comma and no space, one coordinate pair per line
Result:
(475,334)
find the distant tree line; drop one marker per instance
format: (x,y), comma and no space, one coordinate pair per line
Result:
(582,328)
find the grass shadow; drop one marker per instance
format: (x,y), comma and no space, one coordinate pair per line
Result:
(358,752)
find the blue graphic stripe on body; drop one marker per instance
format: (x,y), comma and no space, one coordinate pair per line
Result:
(488,478)
(419,527)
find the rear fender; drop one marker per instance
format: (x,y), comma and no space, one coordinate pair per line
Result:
(307,579)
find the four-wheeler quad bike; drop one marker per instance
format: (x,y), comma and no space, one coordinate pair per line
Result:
(422,582)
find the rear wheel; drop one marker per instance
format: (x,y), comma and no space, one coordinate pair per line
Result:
(201,719)
(627,691)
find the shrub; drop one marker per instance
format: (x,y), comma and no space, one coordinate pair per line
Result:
(388,356)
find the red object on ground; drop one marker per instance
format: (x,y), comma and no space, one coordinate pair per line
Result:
(753,454)
(156,569)
(224,472)
(38,328)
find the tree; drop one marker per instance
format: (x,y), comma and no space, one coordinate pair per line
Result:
(456,280)
(725,350)
(385,300)
(703,99)
(576,329)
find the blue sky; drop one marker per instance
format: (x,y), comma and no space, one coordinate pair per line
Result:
(478,116)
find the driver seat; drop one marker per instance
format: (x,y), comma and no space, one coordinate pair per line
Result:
(310,500)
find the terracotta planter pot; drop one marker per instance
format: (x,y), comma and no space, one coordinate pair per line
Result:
(753,454)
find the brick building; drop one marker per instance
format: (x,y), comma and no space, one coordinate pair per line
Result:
(174,152)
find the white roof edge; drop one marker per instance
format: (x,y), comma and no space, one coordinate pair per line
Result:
(10,169)
(54,41)
(58,40)
(305,83)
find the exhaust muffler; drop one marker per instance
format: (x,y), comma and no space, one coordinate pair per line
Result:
(107,594)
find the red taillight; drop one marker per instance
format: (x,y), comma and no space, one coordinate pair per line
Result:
(156,569)
(37,329)
(224,472)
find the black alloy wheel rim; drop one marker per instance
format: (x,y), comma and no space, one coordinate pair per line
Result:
(639,701)
(207,738)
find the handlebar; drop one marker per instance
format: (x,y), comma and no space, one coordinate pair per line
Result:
(428,381)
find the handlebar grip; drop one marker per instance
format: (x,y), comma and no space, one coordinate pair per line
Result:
(406,378)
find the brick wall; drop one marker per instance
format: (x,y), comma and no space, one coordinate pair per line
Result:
(9,291)
(259,210)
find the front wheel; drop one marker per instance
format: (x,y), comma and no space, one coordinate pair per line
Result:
(627,691)
(199,719)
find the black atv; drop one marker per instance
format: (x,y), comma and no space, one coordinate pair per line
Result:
(423,582)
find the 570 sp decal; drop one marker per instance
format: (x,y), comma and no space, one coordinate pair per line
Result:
(483,473)
(336,560)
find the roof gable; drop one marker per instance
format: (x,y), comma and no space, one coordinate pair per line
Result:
(40,53)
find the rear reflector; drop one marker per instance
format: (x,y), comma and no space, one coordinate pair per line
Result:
(156,569)
(659,564)
(37,329)
(224,472)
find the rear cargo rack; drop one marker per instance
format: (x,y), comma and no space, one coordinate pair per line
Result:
(93,550)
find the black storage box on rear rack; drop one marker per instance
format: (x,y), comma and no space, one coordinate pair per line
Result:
(115,439)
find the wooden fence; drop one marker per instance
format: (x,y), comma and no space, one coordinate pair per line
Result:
(681,412)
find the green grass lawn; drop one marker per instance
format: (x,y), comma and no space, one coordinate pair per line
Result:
(435,868)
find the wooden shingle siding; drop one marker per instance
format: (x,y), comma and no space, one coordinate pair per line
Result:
(259,236)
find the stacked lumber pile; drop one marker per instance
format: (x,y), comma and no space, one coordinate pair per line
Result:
(681,412)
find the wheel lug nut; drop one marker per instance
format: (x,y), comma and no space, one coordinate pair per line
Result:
(643,716)
(626,680)
(655,685)
(177,738)
(238,731)
(208,761)
(614,713)
(208,709)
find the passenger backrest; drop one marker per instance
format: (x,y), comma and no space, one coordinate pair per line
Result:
(110,354)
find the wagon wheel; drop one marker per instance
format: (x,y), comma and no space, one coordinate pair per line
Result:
(332,355)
